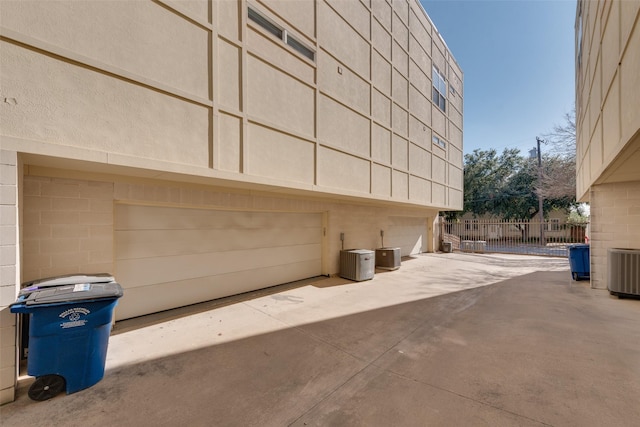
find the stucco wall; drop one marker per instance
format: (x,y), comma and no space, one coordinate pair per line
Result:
(194,91)
(607,92)
(201,88)
(608,125)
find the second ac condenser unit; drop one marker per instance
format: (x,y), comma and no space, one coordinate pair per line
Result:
(388,258)
(357,264)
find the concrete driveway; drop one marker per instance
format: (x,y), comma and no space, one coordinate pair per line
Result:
(449,339)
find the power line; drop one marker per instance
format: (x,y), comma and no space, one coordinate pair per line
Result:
(501,197)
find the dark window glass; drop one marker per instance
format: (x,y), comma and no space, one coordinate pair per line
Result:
(300,47)
(280,33)
(439,94)
(264,23)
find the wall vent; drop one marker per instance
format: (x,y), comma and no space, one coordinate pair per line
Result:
(624,271)
(357,264)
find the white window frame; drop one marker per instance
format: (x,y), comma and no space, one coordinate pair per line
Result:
(579,34)
(439,89)
(278,31)
(439,141)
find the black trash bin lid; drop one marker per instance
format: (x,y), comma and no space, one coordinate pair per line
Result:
(73,293)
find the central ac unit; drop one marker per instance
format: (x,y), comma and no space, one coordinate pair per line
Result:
(388,258)
(624,272)
(357,264)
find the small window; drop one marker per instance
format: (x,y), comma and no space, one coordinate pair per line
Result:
(579,34)
(439,93)
(439,142)
(280,33)
(300,47)
(265,23)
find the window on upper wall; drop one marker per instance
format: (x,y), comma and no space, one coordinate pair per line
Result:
(579,34)
(439,142)
(300,47)
(266,24)
(439,93)
(281,33)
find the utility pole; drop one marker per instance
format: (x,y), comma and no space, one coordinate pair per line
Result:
(540,199)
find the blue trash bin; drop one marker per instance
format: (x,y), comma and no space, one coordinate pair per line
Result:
(579,261)
(69,327)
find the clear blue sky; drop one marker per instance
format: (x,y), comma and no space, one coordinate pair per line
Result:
(518,62)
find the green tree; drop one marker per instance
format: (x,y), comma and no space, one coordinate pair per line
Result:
(485,173)
(508,185)
(505,185)
(485,177)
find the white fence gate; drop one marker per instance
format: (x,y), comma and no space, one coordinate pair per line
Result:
(550,238)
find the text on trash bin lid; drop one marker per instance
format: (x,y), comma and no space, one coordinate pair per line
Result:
(82,287)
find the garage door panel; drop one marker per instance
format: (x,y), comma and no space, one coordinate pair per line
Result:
(278,220)
(147,271)
(137,301)
(168,257)
(163,218)
(155,243)
(135,217)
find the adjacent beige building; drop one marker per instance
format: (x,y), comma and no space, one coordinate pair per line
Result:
(608,125)
(198,149)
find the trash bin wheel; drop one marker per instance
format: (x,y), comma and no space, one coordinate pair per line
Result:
(46,387)
(574,276)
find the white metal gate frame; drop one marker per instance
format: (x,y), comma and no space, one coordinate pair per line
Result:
(548,238)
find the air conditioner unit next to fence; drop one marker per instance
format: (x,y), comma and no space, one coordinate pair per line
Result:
(357,264)
(624,272)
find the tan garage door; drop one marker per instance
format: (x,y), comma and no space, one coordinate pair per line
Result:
(407,233)
(169,257)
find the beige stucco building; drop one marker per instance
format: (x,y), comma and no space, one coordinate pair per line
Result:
(608,125)
(197,149)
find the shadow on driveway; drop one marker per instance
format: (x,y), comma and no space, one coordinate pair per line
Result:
(532,350)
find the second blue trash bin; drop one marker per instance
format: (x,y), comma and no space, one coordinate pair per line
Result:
(579,261)
(69,326)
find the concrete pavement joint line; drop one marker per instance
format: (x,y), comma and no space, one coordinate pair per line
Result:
(367,365)
(331,393)
(464,397)
(456,311)
(309,334)
(288,325)
(391,347)
(342,350)
(372,363)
